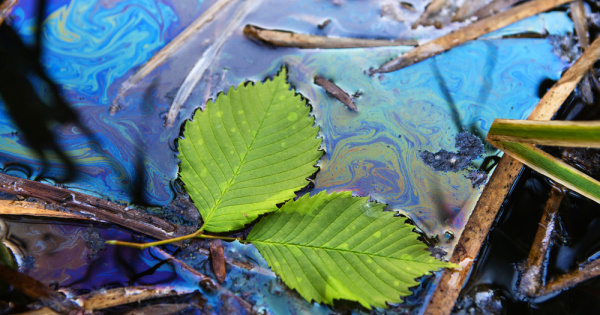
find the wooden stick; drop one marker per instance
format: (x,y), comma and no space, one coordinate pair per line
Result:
(5,9)
(289,39)
(493,8)
(336,92)
(26,208)
(467,10)
(468,33)
(531,278)
(121,296)
(93,207)
(570,279)
(162,55)
(578,16)
(443,298)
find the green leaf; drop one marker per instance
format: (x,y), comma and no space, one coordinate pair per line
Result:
(342,247)
(247,152)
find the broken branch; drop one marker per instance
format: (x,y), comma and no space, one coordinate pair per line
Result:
(289,39)
(336,92)
(468,33)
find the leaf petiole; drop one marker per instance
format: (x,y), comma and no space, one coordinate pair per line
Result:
(157,243)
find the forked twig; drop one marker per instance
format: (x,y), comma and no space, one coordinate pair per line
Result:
(289,39)
(444,296)
(468,33)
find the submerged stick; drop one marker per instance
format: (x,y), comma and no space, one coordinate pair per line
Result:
(531,278)
(289,39)
(563,282)
(493,8)
(477,228)
(336,92)
(205,61)
(167,51)
(468,33)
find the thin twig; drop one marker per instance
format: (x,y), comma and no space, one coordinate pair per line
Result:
(37,291)
(477,228)
(167,51)
(570,279)
(531,279)
(93,207)
(206,60)
(432,9)
(493,8)
(205,282)
(468,33)
(468,8)
(578,17)
(121,296)
(336,92)
(5,8)
(26,208)
(289,39)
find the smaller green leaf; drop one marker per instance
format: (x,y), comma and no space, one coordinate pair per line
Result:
(342,247)
(555,133)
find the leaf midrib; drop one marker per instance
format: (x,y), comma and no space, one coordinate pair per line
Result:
(340,250)
(249,148)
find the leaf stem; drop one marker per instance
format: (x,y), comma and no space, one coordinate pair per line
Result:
(225,238)
(157,243)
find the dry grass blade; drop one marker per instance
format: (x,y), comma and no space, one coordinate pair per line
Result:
(578,16)
(289,39)
(161,56)
(468,33)
(500,183)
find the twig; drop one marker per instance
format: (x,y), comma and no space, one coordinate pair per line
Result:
(37,291)
(5,8)
(468,8)
(578,16)
(336,92)
(443,298)
(93,207)
(166,52)
(217,257)
(25,208)
(559,92)
(121,296)
(493,8)
(170,308)
(205,282)
(531,278)
(570,279)
(289,39)
(468,33)
(206,60)
(432,9)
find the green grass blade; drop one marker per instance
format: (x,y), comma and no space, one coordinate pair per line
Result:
(552,167)
(247,152)
(555,133)
(342,247)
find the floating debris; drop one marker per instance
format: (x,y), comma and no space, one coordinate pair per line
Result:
(336,92)
(469,148)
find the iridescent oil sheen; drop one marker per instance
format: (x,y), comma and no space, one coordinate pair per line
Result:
(92,47)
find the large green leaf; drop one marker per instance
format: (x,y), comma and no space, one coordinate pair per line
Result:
(342,247)
(247,152)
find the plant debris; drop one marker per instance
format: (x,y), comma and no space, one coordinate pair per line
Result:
(336,92)
(469,148)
